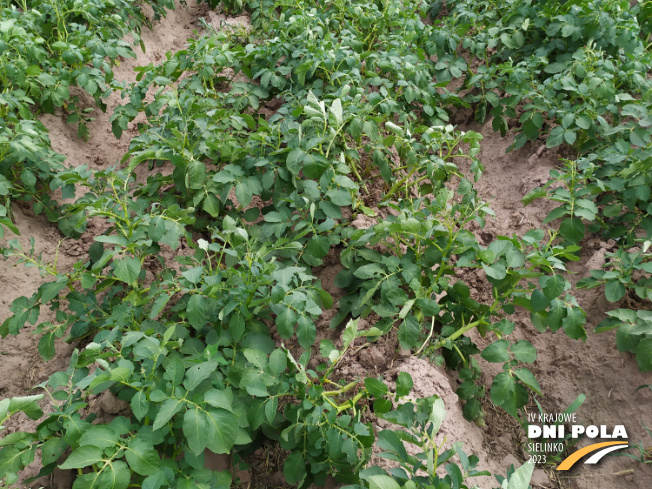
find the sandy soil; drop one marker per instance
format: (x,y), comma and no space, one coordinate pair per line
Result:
(564,368)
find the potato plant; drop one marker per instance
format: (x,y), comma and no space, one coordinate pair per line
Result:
(46,48)
(573,74)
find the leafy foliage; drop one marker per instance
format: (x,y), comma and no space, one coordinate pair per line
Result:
(47,48)
(198,303)
(574,74)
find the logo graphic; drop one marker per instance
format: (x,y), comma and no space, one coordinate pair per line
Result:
(548,436)
(604,448)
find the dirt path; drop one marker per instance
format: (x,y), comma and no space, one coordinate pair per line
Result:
(565,368)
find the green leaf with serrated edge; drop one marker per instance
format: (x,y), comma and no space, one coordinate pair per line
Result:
(496,352)
(194,430)
(523,351)
(403,384)
(168,409)
(505,326)
(528,378)
(294,468)
(83,457)
(127,269)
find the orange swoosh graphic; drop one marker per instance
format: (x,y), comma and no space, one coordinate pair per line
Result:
(571,459)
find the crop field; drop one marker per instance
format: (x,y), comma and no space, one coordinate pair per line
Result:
(374,244)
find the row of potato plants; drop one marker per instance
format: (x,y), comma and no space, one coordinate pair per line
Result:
(197,305)
(575,74)
(52,51)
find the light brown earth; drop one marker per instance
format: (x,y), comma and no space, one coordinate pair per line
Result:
(564,368)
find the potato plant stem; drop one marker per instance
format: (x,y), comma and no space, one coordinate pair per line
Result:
(460,332)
